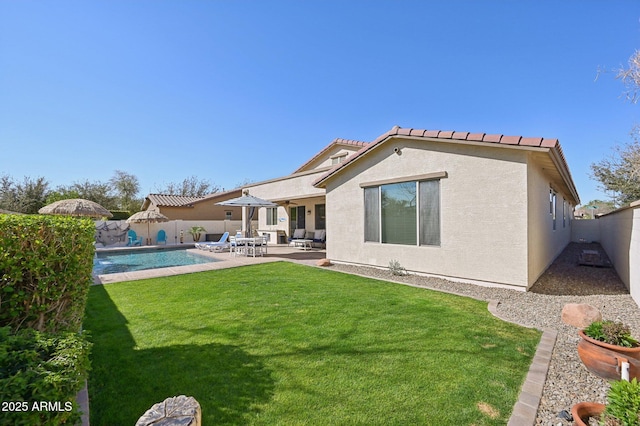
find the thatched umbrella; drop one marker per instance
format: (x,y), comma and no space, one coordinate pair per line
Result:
(147,216)
(76,207)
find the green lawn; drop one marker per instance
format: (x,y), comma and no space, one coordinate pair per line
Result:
(286,344)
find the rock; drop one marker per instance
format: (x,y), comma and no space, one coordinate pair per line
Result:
(175,411)
(323,262)
(580,314)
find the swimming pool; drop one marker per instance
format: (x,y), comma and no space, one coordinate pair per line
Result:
(139,260)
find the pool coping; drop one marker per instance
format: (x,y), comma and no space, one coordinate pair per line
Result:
(221,260)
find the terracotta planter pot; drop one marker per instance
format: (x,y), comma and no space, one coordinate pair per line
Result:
(583,410)
(603,359)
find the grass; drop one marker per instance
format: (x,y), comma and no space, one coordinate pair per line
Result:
(286,344)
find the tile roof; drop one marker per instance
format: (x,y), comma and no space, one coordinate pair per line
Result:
(461,137)
(336,141)
(172,200)
(165,200)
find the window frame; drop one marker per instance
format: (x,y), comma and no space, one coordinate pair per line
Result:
(272,216)
(372,192)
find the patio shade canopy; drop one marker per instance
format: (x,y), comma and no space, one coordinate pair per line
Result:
(76,207)
(248,201)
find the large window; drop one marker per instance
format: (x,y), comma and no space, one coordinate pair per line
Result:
(403,213)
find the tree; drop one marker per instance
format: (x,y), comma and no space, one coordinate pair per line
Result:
(126,186)
(98,192)
(27,196)
(619,174)
(595,207)
(189,187)
(631,77)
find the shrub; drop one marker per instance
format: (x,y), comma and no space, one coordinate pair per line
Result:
(611,332)
(45,271)
(396,268)
(40,374)
(120,214)
(623,403)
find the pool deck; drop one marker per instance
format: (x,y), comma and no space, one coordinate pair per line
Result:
(223,260)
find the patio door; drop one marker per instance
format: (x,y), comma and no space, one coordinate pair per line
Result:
(296,218)
(320,216)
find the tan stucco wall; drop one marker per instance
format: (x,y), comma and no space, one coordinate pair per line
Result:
(545,243)
(291,187)
(206,210)
(620,238)
(483,211)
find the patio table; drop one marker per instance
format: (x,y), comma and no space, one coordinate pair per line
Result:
(304,244)
(248,246)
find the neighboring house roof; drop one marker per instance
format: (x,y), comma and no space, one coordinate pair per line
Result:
(335,142)
(164,200)
(552,145)
(220,196)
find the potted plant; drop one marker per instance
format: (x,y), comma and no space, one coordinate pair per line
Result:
(605,345)
(622,409)
(196,232)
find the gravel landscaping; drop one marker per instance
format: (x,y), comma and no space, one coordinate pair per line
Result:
(568,381)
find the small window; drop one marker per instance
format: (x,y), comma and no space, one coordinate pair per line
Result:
(337,159)
(228,215)
(553,208)
(272,215)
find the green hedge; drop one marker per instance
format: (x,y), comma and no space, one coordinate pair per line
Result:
(40,375)
(120,214)
(45,271)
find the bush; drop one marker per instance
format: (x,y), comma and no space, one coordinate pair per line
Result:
(45,271)
(624,403)
(396,268)
(611,332)
(120,214)
(40,375)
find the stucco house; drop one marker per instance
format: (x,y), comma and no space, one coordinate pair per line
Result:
(473,207)
(491,209)
(301,205)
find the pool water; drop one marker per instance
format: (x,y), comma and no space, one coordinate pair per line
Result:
(110,263)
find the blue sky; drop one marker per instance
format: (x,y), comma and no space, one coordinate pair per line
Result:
(236,90)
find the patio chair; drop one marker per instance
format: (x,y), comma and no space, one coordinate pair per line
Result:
(162,237)
(320,237)
(298,234)
(134,240)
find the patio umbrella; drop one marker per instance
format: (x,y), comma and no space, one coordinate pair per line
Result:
(147,216)
(76,207)
(248,201)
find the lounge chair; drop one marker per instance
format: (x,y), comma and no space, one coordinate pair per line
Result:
(162,237)
(219,245)
(134,240)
